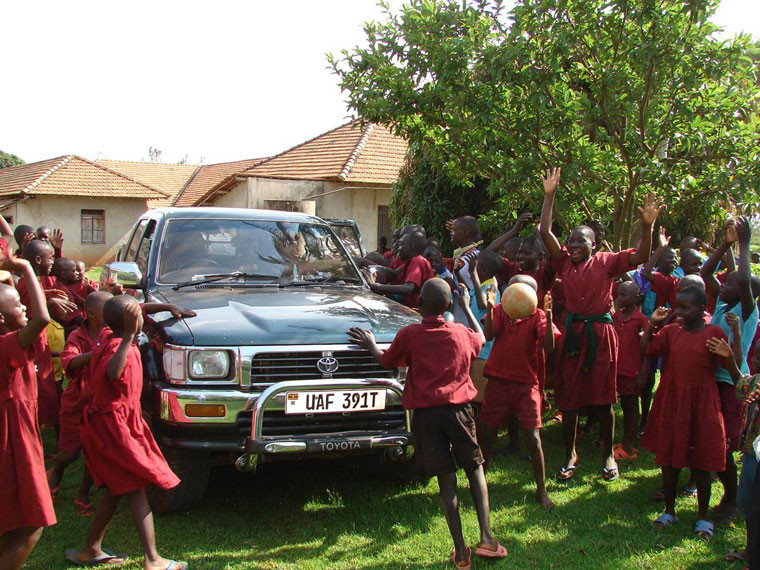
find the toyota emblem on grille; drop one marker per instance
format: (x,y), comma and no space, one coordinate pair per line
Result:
(327,364)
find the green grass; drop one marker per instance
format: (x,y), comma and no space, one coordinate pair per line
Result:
(93,274)
(332,515)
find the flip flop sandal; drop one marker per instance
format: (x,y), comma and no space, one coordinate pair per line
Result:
(566,473)
(687,492)
(461,565)
(704,529)
(658,495)
(663,520)
(84,509)
(500,551)
(610,474)
(108,558)
(621,453)
(175,565)
(735,556)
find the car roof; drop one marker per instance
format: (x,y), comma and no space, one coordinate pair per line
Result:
(234,214)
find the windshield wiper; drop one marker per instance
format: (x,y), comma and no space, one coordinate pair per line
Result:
(213,277)
(320,281)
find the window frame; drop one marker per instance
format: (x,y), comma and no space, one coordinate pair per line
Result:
(92,215)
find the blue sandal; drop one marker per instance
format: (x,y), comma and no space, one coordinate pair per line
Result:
(704,529)
(664,520)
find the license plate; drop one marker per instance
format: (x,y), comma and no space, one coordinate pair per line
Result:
(332,401)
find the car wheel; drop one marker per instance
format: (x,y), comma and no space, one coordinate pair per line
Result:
(193,468)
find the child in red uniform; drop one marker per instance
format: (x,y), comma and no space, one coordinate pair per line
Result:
(586,364)
(632,372)
(685,427)
(25,503)
(83,285)
(439,391)
(512,372)
(65,272)
(75,359)
(119,449)
(417,270)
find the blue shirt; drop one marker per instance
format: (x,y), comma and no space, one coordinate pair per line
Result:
(481,313)
(749,327)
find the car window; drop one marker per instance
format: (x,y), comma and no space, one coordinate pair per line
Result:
(143,250)
(136,235)
(276,251)
(348,236)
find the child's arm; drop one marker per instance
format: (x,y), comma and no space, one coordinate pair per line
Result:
(736,330)
(387,289)
(488,322)
(550,182)
(477,287)
(176,311)
(499,242)
(649,266)
(648,214)
(657,318)
(744,233)
(712,285)
(549,336)
(5,230)
(366,340)
(79,361)
(39,316)
(719,347)
(463,299)
(118,361)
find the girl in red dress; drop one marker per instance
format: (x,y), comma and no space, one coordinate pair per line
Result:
(25,502)
(586,355)
(119,449)
(685,427)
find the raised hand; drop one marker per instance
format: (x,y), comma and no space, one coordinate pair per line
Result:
(6,277)
(734,324)
(664,240)
(659,315)
(731,235)
(524,218)
(56,240)
(548,303)
(14,264)
(551,180)
(743,229)
(651,209)
(491,296)
(719,346)
(61,308)
(462,297)
(449,225)
(472,260)
(132,316)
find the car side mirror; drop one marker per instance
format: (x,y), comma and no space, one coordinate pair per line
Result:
(124,273)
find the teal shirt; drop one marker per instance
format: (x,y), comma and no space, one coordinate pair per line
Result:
(749,327)
(480,314)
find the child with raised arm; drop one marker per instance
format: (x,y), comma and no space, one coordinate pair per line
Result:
(439,391)
(733,296)
(512,372)
(25,503)
(75,360)
(632,373)
(586,364)
(685,427)
(119,449)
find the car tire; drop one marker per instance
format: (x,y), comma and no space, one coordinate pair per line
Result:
(380,466)
(194,469)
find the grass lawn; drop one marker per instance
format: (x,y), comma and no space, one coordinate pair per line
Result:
(332,515)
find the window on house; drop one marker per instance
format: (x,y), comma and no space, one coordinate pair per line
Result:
(93,226)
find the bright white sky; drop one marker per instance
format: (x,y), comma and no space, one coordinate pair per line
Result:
(216,81)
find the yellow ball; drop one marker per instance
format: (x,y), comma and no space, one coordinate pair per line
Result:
(519,301)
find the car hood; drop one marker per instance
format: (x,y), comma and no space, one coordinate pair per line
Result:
(271,316)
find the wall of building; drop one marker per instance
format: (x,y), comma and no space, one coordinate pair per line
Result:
(358,204)
(65,213)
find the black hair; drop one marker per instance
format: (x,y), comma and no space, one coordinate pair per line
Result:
(697,295)
(113,310)
(533,243)
(689,251)
(525,280)
(59,264)
(470,225)
(92,299)
(598,228)
(435,295)
(36,247)
(585,230)
(490,260)
(430,250)
(42,228)
(382,240)
(689,242)
(20,232)
(417,241)
(434,242)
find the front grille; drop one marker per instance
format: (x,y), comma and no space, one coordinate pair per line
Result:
(268,368)
(277,423)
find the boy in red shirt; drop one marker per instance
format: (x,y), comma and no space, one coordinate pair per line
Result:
(65,272)
(439,391)
(632,369)
(25,503)
(417,270)
(83,285)
(512,370)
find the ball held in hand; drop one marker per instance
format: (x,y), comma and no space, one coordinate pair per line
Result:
(519,301)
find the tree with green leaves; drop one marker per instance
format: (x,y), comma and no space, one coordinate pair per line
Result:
(627,96)
(7,159)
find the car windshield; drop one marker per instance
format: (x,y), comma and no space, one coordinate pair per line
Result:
(349,238)
(269,252)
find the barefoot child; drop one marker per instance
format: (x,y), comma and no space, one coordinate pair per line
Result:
(512,372)
(586,363)
(632,372)
(75,359)
(119,449)
(685,427)
(25,503)
(439,391)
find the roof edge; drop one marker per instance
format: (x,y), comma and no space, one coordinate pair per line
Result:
(121,175)
(356,152)
(66,159)
(185,185)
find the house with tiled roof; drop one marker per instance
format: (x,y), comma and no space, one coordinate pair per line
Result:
(168,178)
(347,172)
(92,204)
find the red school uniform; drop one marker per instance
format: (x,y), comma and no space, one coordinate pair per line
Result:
(588,293)
(513,369)
(685,426)
(72,296)
(417,271)
(432,380)
(665,288)
(119,448)
(629,359)
(84,288)
(78,392)
(543,275)
(24,494)
(3,248)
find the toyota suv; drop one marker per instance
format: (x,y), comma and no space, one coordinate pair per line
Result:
(264,370)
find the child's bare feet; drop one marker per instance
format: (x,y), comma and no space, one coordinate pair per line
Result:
(490,549)
(543,499)
(164,564)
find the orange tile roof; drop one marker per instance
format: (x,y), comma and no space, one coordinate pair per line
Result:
(169,178)
(349,153)
(208,176)
(71,176)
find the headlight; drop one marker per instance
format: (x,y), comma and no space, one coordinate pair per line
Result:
(174,365)
(209,364)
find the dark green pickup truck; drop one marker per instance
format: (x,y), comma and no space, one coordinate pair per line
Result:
(264,371)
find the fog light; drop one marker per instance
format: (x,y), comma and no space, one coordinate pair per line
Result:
(205,410)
